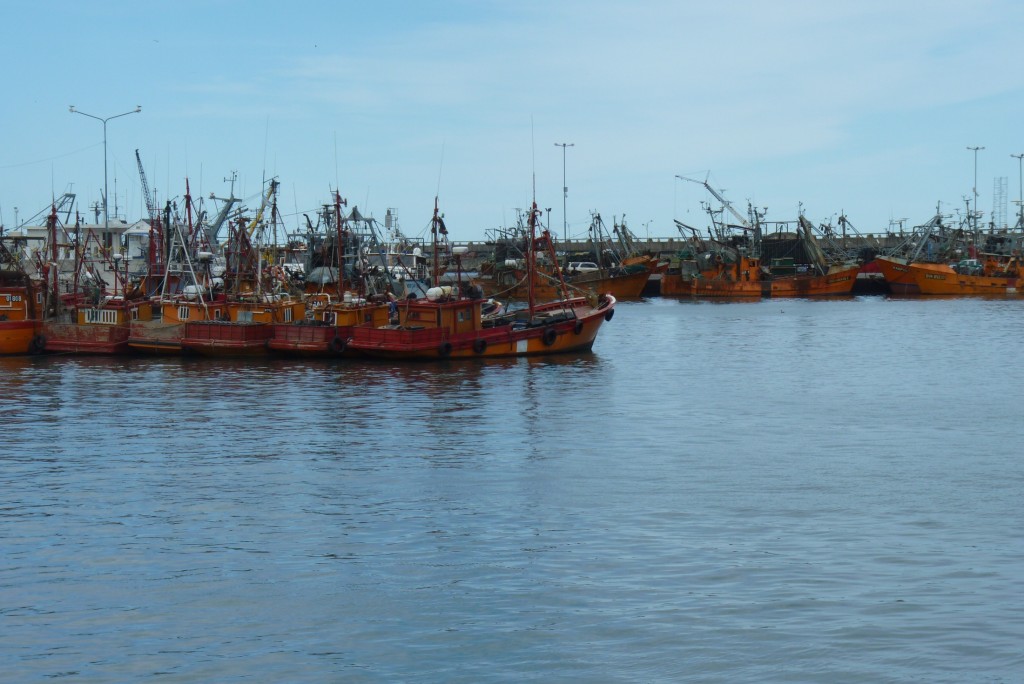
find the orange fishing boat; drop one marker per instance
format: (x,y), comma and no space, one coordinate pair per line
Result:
(191,289)
(991,275)
(509,282)
(446,325)
(623,277)
(746,278)
(163,334)
(897,274)
(931,242)
(722,270)
(19,305)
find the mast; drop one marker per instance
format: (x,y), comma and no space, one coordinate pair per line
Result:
(54,267)
(338,253)
(531,257)
(435,222)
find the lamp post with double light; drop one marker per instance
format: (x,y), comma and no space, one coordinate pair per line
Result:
(565,191)
(138,108)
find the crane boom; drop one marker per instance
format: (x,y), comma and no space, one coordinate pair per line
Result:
(150,206)
(271,189)
(725,202)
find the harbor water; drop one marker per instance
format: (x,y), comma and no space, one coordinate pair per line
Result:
(791,491)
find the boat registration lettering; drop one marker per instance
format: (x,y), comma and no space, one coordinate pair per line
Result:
(934,276)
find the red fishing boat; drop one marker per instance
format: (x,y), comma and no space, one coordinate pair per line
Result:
(326,331)
(445,324)
(79,315)
(343,293)
(256,297)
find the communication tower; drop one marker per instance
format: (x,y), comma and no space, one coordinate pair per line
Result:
(999,202)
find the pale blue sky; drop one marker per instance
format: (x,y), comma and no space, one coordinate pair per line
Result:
(865,107)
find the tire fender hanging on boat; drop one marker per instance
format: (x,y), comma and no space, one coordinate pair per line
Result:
(338,345)
(578,328)
(549,336)
(609,314)
(479,345)
(37,345)
(445,349)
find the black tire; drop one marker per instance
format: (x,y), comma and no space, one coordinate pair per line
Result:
(549,337)
(578,328)
(37,345)
(445,349)
(479,346)
(608,316)
(338,345)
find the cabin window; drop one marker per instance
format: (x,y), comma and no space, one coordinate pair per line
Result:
(462,316)
(288,315)
(245,316)
(135,313)
(39,298)
(334,318)
(183,313)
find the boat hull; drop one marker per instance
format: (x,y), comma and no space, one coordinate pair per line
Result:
(74,338)
(627,286)
(223,338)
(562,335)
(897,276)
(837,283)
(322,341)
(19,337)
(156,337)
(941,279)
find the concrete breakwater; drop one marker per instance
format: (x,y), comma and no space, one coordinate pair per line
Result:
(667,247)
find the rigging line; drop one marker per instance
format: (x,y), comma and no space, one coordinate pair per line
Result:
(59,156)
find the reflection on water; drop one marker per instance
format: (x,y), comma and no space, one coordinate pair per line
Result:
(775,490)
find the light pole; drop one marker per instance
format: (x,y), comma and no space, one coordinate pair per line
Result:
(138,108)
(975,149)
(1020,189)
(565,191)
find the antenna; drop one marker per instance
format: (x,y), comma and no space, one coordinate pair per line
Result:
(440,166)
(533,158)
(266,138)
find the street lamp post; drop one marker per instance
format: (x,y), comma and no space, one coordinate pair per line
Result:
(975,149)
(565,191)
(138,108)
(1020,188)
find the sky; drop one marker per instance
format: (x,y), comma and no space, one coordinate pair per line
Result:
(865,108)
